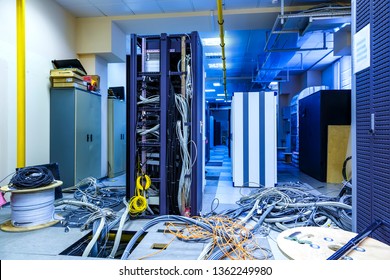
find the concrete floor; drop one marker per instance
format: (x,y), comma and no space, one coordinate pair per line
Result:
(219,194)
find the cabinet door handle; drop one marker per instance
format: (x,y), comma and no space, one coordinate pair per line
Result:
(91,138)
(87,137)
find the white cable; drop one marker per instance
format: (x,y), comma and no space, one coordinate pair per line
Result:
(147,100)
(32,208)
(320,203)
(250,213)
(119,232)
(205,251)
(182,134)
(91,206)
(90,245)
(153,130)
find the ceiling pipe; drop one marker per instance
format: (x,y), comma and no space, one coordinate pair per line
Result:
(222,44)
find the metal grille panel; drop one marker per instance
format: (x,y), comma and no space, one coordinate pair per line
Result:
(372,96)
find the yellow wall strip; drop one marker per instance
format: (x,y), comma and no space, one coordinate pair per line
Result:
(21,83)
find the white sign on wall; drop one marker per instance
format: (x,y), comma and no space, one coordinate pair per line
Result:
(361,49)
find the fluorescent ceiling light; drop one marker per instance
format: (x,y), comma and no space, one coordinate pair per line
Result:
(215,65)
(213,54)
(220,94)
(210,90)
(217,84)
(219,99)
(211,41)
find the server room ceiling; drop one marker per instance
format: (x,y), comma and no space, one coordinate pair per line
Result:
(265,40)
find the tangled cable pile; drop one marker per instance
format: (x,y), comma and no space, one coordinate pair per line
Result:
(87,190)
(295,204)
(229,234)
(92,208)
(227,238)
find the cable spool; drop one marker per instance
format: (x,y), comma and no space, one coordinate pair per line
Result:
(31,208)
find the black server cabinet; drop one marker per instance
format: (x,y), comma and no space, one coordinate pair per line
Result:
(316,112)
(372,99)
(157,85)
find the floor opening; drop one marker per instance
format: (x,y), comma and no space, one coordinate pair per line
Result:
(104,247)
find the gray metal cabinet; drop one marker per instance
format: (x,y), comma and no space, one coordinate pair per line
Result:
(116,121)
(75,134)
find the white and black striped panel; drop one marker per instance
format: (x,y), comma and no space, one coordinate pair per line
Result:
(253,118)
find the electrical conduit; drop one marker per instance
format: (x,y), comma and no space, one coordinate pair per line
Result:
(222,37)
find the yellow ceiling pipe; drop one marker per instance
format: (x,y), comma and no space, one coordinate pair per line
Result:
(222,37)
(21,84)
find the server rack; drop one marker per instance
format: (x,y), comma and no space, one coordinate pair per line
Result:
(163,71)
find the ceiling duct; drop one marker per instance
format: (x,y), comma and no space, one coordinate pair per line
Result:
(291,31)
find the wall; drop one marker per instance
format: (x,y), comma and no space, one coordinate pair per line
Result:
(345,72)
(339,74)
(295,84)
(117,75)
(8,89)
(101,68)
(287,90)
(49,35)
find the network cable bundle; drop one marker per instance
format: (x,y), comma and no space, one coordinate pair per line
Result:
(164,123)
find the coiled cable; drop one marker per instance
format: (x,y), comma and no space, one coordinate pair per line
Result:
(31,177)
(138,203)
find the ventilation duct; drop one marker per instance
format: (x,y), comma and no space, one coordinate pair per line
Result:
(291,31)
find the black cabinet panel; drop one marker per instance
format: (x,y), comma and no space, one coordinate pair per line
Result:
(316,112)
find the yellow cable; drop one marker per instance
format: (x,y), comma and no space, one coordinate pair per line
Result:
(159,251)
(138,203)
(227,234)
(148,182)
